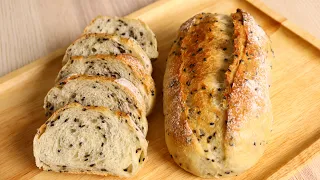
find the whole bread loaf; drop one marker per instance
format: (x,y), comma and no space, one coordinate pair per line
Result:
(91,140)
(216,94)
(128,28)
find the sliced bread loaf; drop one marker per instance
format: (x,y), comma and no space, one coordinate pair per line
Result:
(126,27)
(116,66)
(116,94)
(94,140)
(92,44)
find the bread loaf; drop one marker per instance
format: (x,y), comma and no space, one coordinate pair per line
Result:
(115,66)
(128,28)
(92,140)
(116,94)
(97,43)
(216,94)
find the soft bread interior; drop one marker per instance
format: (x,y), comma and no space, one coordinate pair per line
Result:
(80,139)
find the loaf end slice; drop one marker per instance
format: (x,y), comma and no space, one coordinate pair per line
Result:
(115,66)
(116,94)
(101,43)
(91,140)
(128,28)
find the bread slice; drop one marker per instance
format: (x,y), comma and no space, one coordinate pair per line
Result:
(126,27)
(116,66)
(95,140)
(92,44)
(116,94)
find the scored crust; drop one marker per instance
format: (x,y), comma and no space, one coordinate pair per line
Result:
(249,115)
(204,132)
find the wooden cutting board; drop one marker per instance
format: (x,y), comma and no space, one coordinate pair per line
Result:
(295,96)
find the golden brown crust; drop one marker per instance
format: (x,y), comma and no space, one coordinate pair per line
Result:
(193,93)
(249,112)
(205,117)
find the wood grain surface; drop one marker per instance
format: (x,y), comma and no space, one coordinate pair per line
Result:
(32,29)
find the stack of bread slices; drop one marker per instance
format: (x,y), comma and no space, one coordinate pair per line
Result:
(98,107)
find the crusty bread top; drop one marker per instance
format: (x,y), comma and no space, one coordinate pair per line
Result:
(202,99)
(124,45)
(193,93)
(126,27)
(249,115)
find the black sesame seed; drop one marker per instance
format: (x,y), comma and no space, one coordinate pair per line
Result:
(84,109)
(200,49)
(102,144)
(224,49)
(205,150)
(208,159)
(87,155)
(59,150)
(138,150)
(91,165)
(199,112)
(143,159)
(254,143)
(98,127)
(101,153)
(93,49)
(212,160)
(70,145)
(211,123)
(80,143)
(103,170)
(219,175)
